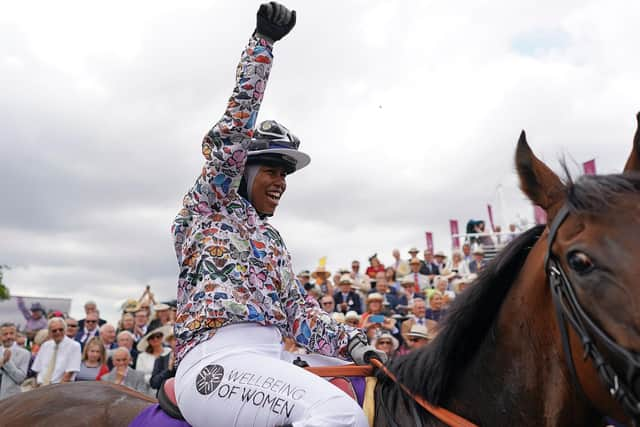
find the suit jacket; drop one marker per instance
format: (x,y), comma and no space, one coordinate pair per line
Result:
(133,379)
(82,339)
(429,268)
(13,373)
(352,300)
(161,371)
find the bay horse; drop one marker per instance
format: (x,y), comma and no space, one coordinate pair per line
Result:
(499,357)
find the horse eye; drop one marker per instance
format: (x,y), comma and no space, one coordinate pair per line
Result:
(580,262)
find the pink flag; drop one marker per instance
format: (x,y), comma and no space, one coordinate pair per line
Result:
(539,214)
(589,167)
(453,225)
(429,237)
(490,210)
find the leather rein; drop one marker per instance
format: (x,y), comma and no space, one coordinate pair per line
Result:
(623,388)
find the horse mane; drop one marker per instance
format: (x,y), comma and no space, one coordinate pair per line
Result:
(598,193)
(431,370)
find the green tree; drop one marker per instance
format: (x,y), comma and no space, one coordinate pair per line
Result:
(4,291)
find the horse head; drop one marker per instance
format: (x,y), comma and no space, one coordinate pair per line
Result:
(593,245)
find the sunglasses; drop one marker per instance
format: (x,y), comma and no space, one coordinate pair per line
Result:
(53,331)
(71,326)
(415,339)
(384,342)
(153,337)
(90,321)
(327,302)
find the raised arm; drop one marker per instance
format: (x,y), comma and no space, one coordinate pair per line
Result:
(224,146)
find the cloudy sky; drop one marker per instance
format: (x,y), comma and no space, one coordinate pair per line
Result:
(410,111)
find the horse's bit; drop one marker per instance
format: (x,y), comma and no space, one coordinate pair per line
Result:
(624,386)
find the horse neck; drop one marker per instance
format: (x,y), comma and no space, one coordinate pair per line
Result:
(519,370)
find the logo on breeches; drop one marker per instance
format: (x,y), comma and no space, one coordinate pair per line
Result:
(209,378)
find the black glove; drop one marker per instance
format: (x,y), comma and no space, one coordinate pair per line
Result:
(274,21)
(360,350)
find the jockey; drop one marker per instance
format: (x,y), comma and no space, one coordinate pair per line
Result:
(238,295)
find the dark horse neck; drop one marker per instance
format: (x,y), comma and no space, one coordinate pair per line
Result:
(519,373)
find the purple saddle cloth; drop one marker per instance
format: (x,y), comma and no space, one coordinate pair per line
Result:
(154,416)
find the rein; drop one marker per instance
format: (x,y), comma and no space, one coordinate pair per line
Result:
(442,414)
(623,388)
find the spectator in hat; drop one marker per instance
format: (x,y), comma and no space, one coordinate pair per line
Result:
(123,374)
(162,316)
(459,285)
(430,267)
(72,328)
(94,361)
(479,263)
(91,307)
(150,348)
(390,297)
(338,317)
(35,317)
(440,260)
(89,330)
(400,266)
(386,342)
(417,317)
(420,281)
(409,293)
(346,299)
(413,252)
(375,266)
(418,336)
(14,361)
(58,359)
(164,366)
(374,319)
(321,276)
(352,319)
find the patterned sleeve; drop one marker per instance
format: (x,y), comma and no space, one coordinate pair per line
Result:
(311,327)
(224,146)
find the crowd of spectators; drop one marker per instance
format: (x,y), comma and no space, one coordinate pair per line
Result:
(55,348)
(398,306)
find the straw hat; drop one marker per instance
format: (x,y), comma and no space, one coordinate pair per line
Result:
(421,331)
(346,278)
(374,296)
(478,251)
(165,330)
(161,307)
(414,260)
(413,250)
(352,315)
(440,254)
(407,280)
(338,317)
(130,306)
(386,335)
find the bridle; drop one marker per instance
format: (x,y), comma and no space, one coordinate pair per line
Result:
(623,386)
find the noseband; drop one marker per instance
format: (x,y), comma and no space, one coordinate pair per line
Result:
(623,386)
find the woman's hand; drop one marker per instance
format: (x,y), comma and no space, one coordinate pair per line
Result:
(274,21)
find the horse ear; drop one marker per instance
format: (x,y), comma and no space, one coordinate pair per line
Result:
(541,185)
(633,162)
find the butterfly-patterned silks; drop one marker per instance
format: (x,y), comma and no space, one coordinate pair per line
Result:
(234,266)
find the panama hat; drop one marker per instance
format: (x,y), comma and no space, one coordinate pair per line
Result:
(420,331)
(165,330)
(386,335)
